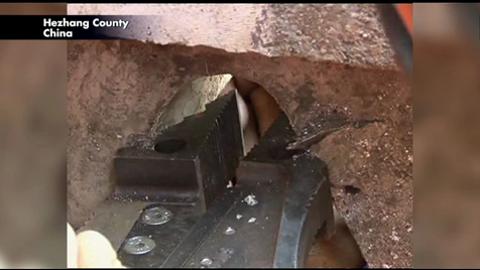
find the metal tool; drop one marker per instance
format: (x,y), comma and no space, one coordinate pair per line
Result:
(269,218)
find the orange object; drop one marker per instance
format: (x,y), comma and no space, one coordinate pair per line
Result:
(406,13)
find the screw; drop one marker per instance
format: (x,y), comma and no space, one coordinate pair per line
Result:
(156,215)
(229,231)
(138,245)
(206,262)
(250,200)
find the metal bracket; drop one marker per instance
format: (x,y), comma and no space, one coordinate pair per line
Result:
(268,219)
(187,163)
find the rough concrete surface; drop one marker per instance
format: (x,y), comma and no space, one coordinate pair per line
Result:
(345,33)
(118,88)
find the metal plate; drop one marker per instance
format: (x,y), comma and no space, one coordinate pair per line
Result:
(268,219)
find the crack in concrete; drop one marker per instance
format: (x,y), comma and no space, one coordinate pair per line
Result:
(310,140)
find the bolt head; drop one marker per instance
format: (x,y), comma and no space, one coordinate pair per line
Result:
(138,245)
(156,215)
